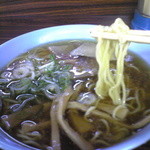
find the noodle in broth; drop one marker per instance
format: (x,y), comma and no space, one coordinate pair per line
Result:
(53,100)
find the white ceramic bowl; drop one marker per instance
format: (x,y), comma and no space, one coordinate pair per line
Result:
(23,43)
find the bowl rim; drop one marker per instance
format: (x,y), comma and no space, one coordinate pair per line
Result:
(55,34)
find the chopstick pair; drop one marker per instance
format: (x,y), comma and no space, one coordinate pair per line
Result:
(138,36)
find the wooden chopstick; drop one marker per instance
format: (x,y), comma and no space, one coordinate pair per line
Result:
(127,37)
(138,36)
(139,32)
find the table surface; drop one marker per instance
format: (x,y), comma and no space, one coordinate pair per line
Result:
(19,17)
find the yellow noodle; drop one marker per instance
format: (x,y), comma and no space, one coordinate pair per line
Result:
(139,106)
(105,122)
(101,142)
(116,110)
(112,84)
(96,135)
(146,112)
(33,143)
(90,109)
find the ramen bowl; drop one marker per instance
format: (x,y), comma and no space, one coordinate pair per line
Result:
(21,44)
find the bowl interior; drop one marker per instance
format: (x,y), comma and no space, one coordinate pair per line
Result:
(23,43)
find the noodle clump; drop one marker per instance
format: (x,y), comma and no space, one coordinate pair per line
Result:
(111,82)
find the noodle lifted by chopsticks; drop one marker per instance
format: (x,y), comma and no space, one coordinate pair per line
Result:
(111,82)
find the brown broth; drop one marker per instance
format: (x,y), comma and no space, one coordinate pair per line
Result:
(36,111)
